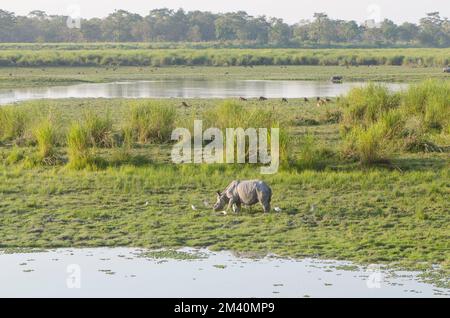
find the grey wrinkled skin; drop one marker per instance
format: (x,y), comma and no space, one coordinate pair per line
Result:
(248,193)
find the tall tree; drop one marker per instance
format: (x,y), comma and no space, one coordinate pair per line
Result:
(7,25)
(280,32)
(434,30)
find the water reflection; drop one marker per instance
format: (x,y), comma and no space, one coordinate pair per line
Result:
(124,272)
(186,88)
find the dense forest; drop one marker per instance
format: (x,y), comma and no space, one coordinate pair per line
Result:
(164,25)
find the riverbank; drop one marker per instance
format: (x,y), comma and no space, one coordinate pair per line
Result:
(13,77)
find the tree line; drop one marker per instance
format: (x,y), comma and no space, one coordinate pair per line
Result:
(165,25)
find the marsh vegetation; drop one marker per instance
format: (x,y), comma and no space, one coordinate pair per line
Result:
(365,177)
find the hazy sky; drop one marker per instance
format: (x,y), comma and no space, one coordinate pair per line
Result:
(290,10)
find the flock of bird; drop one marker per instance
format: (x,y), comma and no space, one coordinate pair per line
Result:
(320,101)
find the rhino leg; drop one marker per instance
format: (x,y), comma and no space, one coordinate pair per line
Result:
(235,205)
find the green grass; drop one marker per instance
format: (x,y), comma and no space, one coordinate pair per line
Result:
(13,123)
(46,135)
(365,216)
(377,121)
(11,77)
(395,213)
(151,122)
(222,57)
(79,149)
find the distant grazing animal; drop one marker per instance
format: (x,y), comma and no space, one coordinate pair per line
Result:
(185,104)
(318,99)
(306,99)
(284,100)
(446,69)
(336,79)
(243,99)
(320,102)
(327,100)
(262,98)
(248,193)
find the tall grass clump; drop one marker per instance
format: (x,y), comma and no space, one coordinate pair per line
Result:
(364,105)
(367,145)
(78,147)
(46,136)
(230,114)
(429,100)
(426,107)
(151,122)
(99,129)
(13,123)
(377,121)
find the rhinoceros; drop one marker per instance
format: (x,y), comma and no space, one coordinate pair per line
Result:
(248,193)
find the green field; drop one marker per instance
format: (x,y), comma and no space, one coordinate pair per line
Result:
(423,57)
(11,77)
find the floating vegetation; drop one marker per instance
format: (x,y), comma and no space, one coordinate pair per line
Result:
(351,268)
(22,250)
(172,254)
